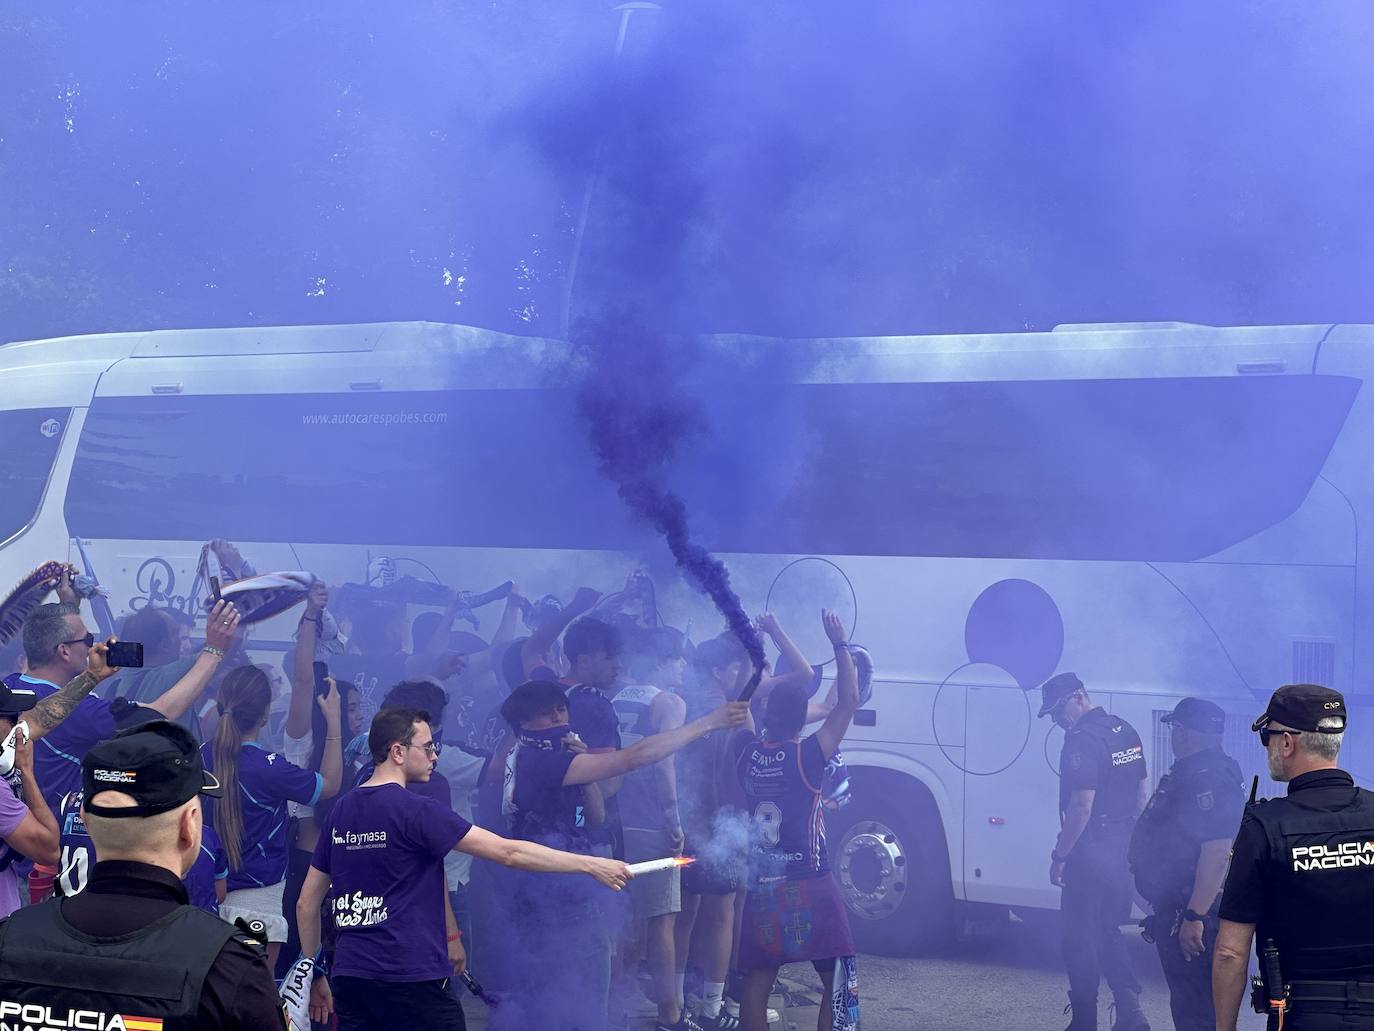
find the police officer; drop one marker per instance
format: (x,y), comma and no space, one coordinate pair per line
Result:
(1179,852)
(129,945)
(1302,878)
(1101,792)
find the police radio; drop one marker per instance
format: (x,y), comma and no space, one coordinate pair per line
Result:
(1268,992)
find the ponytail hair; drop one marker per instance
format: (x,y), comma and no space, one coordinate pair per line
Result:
(244,698)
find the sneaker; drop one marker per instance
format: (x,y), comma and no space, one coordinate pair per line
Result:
(722,1022)
(731,1007)
(687,1023)
(639,1005)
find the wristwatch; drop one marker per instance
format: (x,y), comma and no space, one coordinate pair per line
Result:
(1189,916)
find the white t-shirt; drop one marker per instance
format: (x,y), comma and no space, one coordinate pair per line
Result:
(297,750)
(461,771)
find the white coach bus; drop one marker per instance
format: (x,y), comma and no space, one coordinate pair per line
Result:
(1166,509)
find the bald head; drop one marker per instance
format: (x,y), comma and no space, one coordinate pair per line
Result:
(170,840)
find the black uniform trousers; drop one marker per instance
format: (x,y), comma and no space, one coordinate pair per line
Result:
(1096,901)
(1190,981)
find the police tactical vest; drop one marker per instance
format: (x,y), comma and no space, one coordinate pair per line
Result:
(1163,860)
(1320,878)
(1115,799)
(52,975)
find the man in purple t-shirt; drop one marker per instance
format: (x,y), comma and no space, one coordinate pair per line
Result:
(382,850)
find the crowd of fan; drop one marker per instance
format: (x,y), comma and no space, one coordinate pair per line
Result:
(560,729)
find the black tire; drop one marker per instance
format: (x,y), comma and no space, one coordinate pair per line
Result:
(889,855)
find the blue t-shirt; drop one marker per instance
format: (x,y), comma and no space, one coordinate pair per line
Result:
(267,781)
(57,755)
(211,866)
(383,848)
(78,859)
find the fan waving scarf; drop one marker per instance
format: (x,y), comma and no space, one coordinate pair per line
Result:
(267,594)
(27,595)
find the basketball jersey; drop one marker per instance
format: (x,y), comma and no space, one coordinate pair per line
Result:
(782,783)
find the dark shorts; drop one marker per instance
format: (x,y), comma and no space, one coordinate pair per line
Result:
(717,872)
(794,921)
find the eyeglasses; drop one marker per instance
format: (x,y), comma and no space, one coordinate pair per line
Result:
(1266,733)
(430,748)
(88,641)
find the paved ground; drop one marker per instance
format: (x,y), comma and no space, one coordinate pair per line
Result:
(1007,978)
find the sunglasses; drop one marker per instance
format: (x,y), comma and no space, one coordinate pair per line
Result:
(88,641)
(1265,734)
(1059,705)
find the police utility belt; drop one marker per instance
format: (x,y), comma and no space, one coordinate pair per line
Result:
(1350,993)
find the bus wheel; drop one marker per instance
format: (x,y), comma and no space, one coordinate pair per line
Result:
(888,851)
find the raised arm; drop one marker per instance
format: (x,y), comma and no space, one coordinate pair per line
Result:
(55,708)
(331,762)
(303,665)
(542,639)
(817,711)
(585,769)
(438,640)
(480,663)
(526,855)
(219,637)
(768,623)
(510,616)
(836,725)
(37,835)
(66,590)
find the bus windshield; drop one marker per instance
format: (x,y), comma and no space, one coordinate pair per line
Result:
(31,437)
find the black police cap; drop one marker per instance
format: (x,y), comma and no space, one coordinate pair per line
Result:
(15,700)
(1302,706)
(158,764)
(1197,714)
(1056,689)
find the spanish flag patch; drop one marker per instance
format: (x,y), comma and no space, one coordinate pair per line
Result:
(141,1023)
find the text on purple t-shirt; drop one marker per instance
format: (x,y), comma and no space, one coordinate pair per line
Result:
(383,848)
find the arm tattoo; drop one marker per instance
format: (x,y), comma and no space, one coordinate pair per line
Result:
(55,708)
